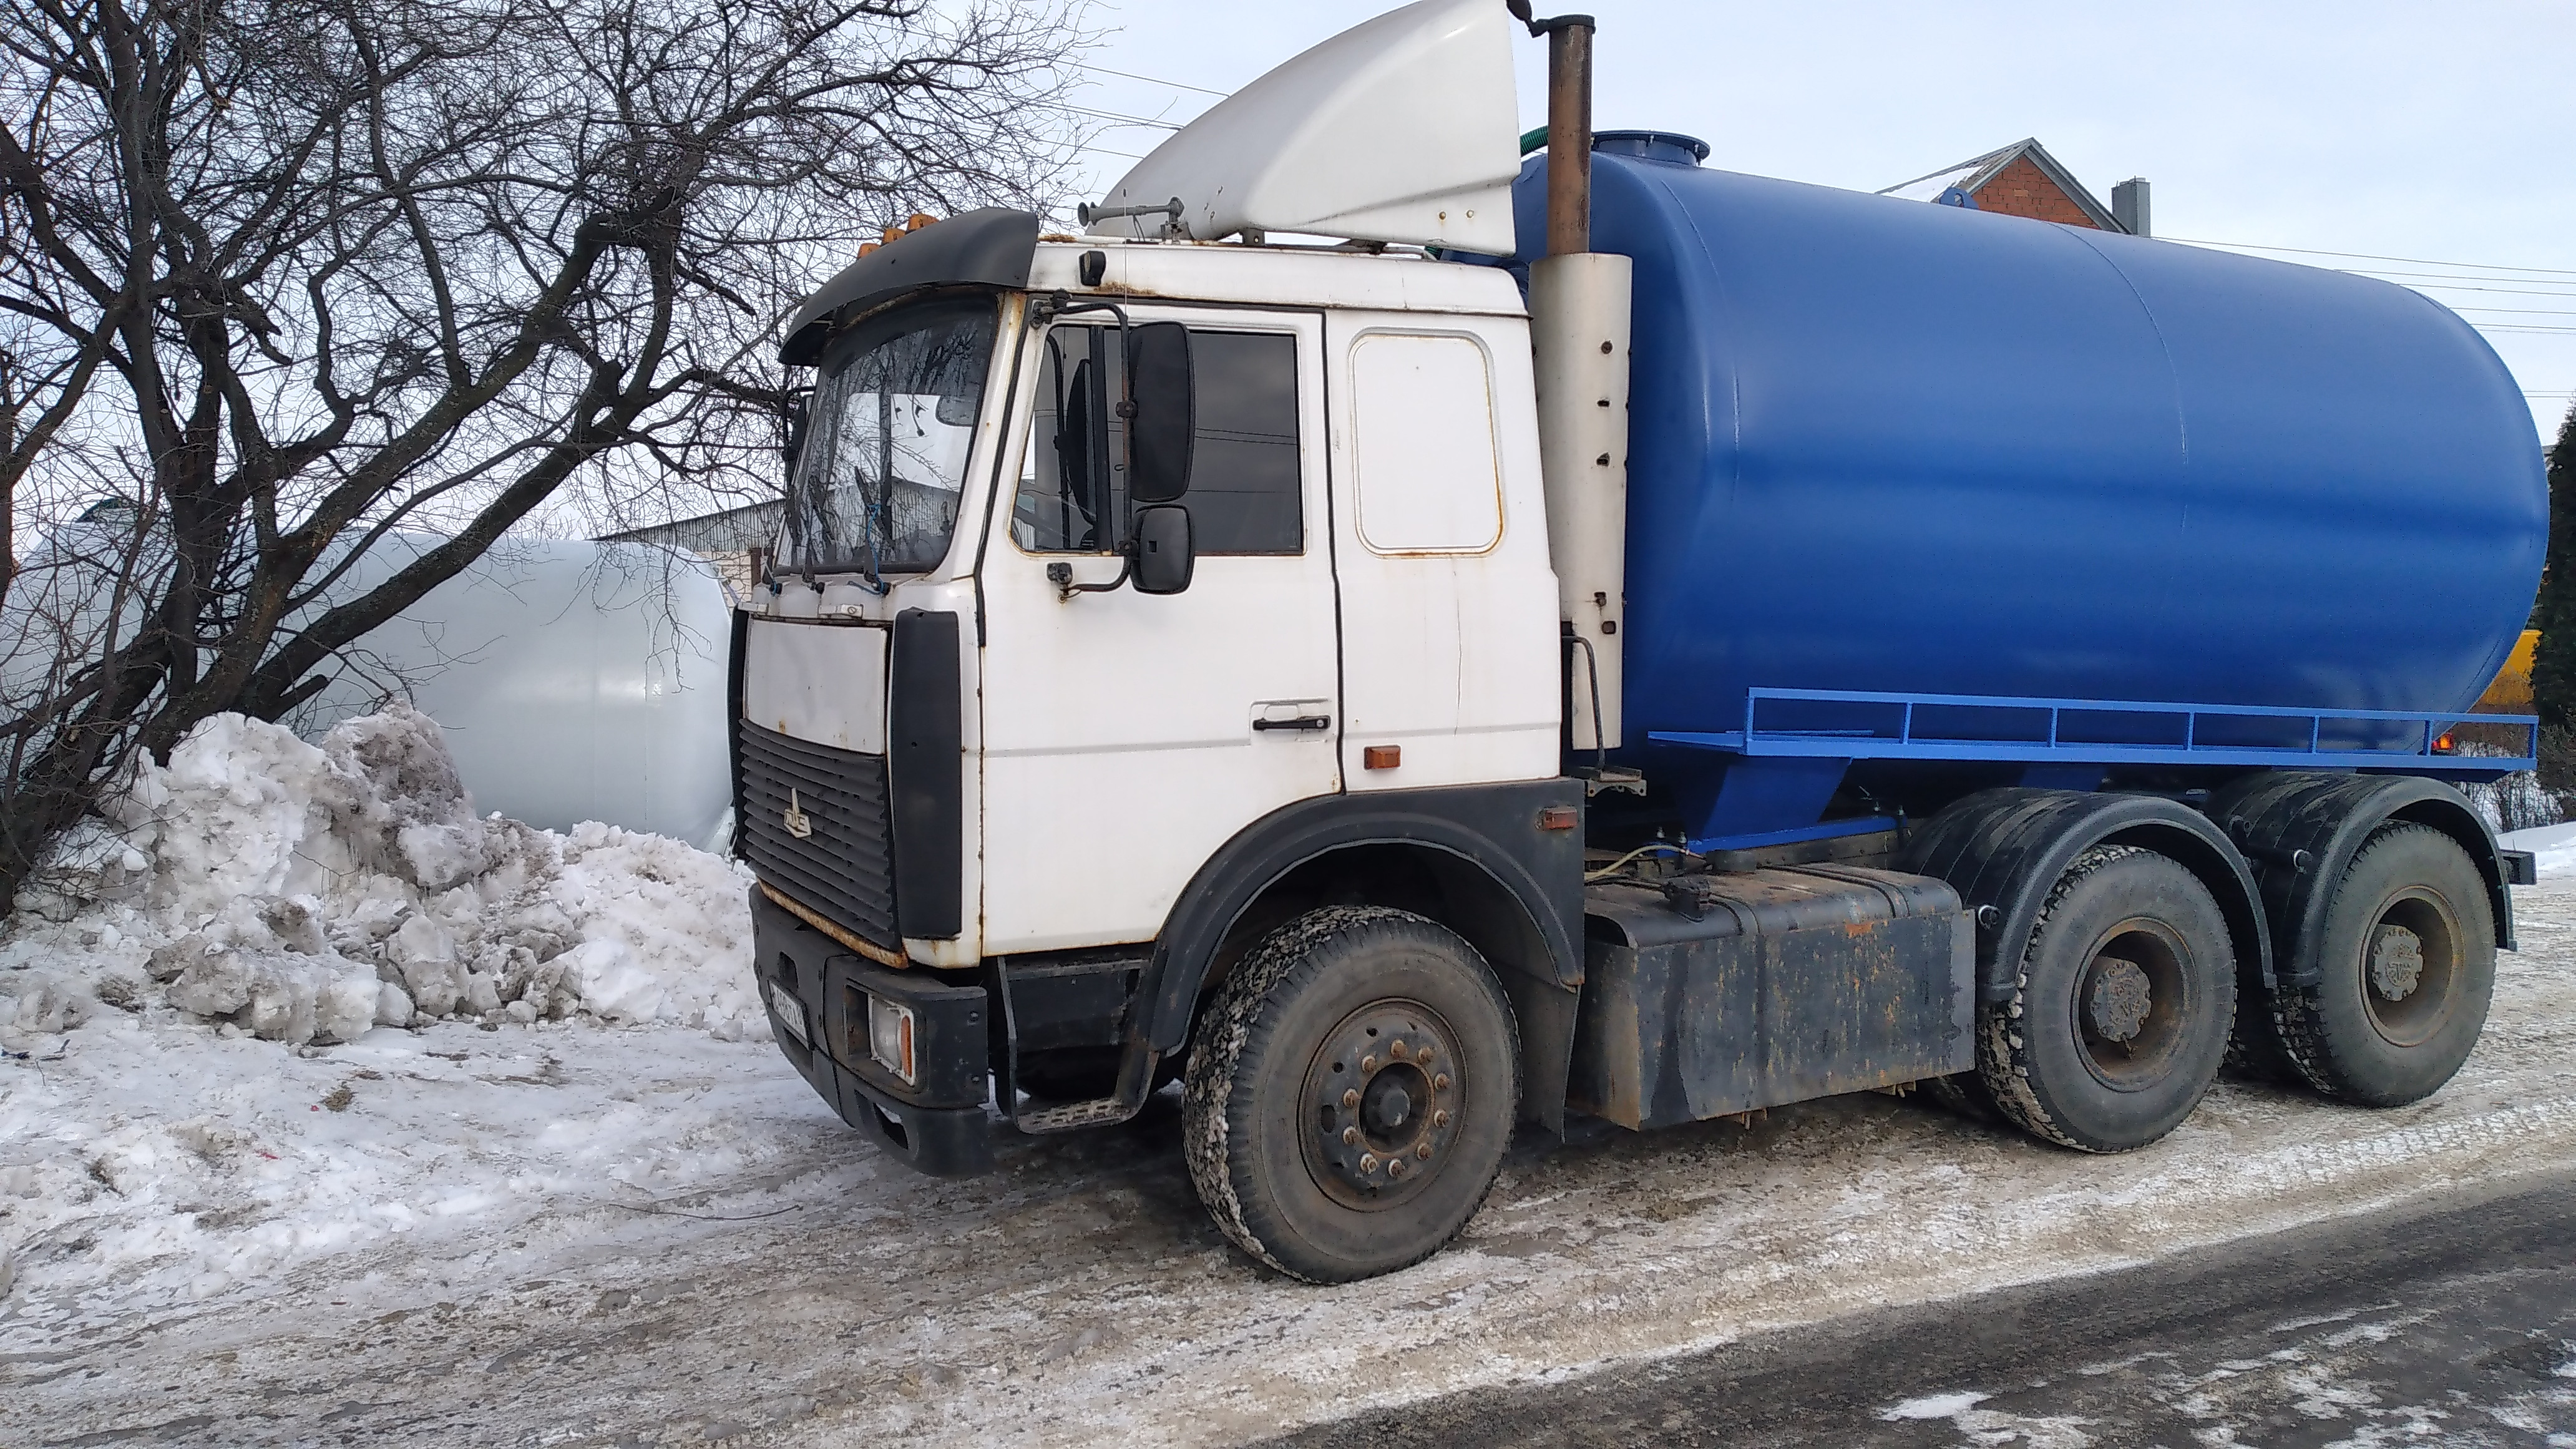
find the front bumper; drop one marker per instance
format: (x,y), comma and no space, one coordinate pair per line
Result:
(937,1122)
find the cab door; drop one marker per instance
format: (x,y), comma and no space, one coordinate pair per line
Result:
(1126,737)
(1450,645)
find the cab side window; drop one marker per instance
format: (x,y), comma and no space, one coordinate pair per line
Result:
(1245,479)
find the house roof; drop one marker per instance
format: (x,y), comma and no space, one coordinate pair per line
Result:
(1969,175)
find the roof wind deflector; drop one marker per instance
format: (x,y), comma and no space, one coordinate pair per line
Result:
(988,247)
(1400,129)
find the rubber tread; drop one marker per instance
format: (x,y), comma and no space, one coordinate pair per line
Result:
(1233,1030)
(2298,1014)
(2003,1055)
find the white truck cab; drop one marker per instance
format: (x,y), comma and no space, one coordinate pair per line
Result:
(1369,606)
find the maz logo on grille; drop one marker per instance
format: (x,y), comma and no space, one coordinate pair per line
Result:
(798,823)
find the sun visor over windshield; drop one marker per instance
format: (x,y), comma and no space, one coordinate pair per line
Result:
(988,247)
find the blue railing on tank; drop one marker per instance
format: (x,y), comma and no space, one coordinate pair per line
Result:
(1859,725)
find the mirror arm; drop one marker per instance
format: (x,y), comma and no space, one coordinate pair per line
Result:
(1061,575)
(1061,304)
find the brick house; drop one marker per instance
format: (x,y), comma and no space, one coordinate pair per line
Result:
(2022,179)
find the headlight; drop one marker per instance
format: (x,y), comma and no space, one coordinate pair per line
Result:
(890,1038)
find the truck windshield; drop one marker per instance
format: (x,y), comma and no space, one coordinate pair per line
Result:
(876,483)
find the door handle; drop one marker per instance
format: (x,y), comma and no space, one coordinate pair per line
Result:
(1302,722)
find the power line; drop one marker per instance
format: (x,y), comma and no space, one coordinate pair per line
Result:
(2461,287)
(1114,116)
(2460,277)
(2374,257)
(1150,80)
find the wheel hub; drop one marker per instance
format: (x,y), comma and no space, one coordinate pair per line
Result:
(2120,998)
(2396,962)
(1386,1106)
(2132,1003)
(1386,1098)
(2411,965)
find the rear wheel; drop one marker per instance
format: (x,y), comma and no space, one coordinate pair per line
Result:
(2121,1009)
(1350,1093)
(2408,963)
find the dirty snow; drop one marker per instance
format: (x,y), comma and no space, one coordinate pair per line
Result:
(567,1231)
(307,892)
(230,1010)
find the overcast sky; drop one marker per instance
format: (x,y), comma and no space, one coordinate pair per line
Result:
(2442,132)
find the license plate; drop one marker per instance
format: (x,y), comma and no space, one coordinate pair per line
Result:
(791,1012)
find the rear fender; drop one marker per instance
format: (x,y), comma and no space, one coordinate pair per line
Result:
(2003,850)
(2301,831)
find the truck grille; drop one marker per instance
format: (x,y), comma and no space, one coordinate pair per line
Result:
(844,869)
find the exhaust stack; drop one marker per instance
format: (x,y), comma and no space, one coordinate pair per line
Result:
(1579,303)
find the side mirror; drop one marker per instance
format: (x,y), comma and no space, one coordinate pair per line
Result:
(1162,421)
(1165,555)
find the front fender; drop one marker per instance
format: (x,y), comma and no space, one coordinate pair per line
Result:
(1494,828)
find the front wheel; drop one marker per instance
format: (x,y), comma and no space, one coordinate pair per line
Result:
(1351,1093)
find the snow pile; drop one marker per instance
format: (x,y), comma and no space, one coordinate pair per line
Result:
(343,898)
(2553,845)
(304,893)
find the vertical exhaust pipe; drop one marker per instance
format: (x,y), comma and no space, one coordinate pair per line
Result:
(1579,303)
(1569,133)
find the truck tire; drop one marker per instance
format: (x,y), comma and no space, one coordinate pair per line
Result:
(2409,965)
(2122,1005)
(1350,1093)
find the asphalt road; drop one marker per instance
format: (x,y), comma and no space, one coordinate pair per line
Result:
(2450,1320)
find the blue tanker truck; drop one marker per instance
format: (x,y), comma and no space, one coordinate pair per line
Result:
(1409,641)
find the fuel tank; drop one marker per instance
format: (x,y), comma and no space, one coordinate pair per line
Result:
(1892,446)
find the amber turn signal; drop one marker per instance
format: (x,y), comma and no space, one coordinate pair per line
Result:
(1382,757)
(1559,817)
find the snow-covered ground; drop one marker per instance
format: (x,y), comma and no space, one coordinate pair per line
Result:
(595,1223)
(237,1018)
(2554,846)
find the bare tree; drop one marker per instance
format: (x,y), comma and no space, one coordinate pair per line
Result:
(283,279)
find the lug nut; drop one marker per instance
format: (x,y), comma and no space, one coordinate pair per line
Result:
(1351,1134)
(1440,1083)
(1368,1064)
(1351,1098)
(1395,1168)
(1368,1162)
(1422,1054)
(1439,1119)
(1423,1152)
(1396,1049)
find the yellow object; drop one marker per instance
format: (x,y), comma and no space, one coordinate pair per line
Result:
(2511,692)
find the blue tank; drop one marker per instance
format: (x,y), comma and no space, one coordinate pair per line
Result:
(1894,447)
